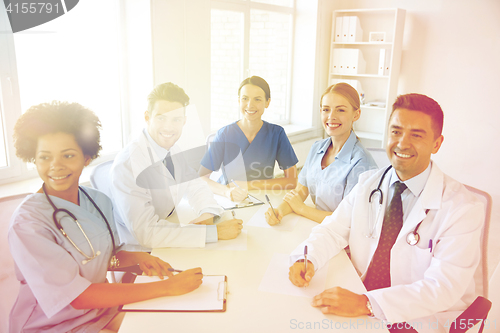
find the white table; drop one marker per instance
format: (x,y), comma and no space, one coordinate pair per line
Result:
(248,309)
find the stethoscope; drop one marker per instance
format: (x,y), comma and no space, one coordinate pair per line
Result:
(412,238)
(114,261)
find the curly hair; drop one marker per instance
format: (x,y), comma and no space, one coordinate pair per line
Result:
(54,117)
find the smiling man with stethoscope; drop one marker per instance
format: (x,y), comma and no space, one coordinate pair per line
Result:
(414,233)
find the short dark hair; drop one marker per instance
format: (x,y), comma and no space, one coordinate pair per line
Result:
(259,82)
(422,103)
(167,92)
(54,117)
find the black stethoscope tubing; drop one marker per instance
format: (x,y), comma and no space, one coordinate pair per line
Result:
(59,226)
(413,237)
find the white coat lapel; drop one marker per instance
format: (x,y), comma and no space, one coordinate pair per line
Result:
(430,198)
(379,215)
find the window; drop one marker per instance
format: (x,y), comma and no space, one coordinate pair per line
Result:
(77,57)
(60,60)
(250,38)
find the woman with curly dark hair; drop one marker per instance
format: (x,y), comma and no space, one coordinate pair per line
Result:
(63,238)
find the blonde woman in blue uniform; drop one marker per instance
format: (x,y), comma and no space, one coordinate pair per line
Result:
(333,165)
(63,275)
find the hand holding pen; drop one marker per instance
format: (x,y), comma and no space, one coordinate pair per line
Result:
(183,282)
(237,194)
(301,272)
(272,217)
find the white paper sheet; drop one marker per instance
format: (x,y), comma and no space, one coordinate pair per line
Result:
(208,296)
(276,279)
(228,204)
(237,244)
(259,220)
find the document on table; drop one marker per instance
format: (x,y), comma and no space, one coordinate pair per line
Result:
(228,204)
(276,279)
(209,297)
(259,220)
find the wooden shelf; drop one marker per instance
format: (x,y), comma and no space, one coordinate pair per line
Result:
(362,75)
(374,10)
(364,43)
(365,56)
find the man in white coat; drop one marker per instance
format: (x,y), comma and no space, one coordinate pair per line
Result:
(428,283)
(150,176)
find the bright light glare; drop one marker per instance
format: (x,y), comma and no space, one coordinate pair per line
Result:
(74,58)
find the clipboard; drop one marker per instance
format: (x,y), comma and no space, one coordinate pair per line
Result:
(230,205)
(210,296)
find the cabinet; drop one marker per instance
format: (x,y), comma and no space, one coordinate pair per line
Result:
(365,52)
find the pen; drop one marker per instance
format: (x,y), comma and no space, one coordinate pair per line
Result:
(305,262)
(177,270)
(269,202)
(238,186)
(430,245)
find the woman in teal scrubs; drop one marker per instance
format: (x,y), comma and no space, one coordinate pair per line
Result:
(333,164)
(248,149)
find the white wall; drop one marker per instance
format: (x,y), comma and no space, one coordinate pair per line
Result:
(451,52)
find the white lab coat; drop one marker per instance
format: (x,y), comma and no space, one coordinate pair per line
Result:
(425,286)
(144,193)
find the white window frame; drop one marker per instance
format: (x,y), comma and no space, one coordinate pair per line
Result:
(245,6)
(10,101)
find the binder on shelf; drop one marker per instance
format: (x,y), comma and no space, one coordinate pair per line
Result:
(387,62)
(355,31)
(343,61)
(381,62)
(338,29)
(345,29)
(357,85)
(336,61)
(355,61)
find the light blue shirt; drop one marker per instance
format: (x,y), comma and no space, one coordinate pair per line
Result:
(330,185)
(211,235)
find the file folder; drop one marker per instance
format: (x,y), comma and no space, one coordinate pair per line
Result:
(345,29)
(355,31)
(209,297)
(338,29)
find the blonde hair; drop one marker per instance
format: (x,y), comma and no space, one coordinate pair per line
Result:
(345,90)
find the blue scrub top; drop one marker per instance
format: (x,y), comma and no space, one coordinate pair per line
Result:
(258,158)
(329,186)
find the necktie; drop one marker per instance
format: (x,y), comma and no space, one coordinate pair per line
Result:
(379,272)
(167,162)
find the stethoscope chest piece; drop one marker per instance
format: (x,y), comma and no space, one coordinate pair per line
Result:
(84,261)
(412,238)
